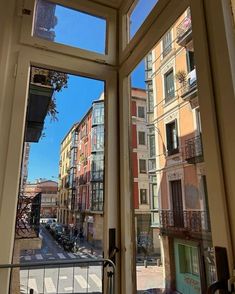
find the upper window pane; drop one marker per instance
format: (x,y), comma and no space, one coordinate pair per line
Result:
(70,27)
(138,13)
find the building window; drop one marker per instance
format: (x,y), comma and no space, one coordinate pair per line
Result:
(148,66)
(97,199)
(141,136)
(172,138)
(154,196)
(150,100)
(166,43)
(169,85)
(143,196)
(98,138)
(142,166)
(188,259)
(141,112)
(97,167)
(152,149)
(98,113)
(190,60)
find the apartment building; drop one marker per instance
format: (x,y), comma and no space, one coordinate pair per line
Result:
(49,195)
(184,224)
(141,177)
(64,172)
(85,174)
(214,39)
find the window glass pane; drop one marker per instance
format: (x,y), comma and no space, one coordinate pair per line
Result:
(169,85)
(141,112)
(62,179)
(67,26)
(166,44)
(181,254)
(141,138)
(142,165)
(138,14)
(143,196)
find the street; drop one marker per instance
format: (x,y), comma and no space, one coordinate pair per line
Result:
(51,250)
(62,280)
(75,279)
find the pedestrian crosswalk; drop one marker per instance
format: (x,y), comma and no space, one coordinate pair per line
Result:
(64,284)
(58,256)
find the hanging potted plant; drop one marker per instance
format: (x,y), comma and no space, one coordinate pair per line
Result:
(181,76)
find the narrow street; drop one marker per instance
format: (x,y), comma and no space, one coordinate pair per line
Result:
(75,279)
(51,250)
(61,279)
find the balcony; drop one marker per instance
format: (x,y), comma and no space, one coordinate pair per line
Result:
(82,180)
(189,87)
(39,100)
(194,150)
(184,31)
(97,176)
(28,217)
(195,221)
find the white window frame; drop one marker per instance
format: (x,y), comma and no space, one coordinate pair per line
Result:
(91,8)
(130,54)
(32,56)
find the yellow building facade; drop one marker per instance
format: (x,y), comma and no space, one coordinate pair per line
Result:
(180,167)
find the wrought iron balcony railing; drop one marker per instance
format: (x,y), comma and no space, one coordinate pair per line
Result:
(83,179)
(79,276)
(195,221)
(184,31)
(194,150)
(28,217)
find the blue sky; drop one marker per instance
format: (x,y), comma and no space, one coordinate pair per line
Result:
(73,102)
(139,14)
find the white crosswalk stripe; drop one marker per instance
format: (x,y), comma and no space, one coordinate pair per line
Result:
(49,285)
(28,258)
(71,255)
(39,256)
(33,285)
(96,280)
(82,282)
(61,255)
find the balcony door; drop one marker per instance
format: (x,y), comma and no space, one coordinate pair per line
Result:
(177,203)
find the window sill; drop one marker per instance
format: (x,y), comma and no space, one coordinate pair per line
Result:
(169,55)
(172,153)
(167,103)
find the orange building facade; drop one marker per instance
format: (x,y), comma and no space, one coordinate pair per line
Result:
(182,219)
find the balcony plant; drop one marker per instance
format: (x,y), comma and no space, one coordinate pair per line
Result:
(181,77)
(50,78)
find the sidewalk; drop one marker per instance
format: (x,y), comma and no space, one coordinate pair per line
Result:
(86,247)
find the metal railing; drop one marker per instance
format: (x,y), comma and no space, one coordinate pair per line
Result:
(194,150)
(184,27)
(28,216)
(184,220)
(73,276)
